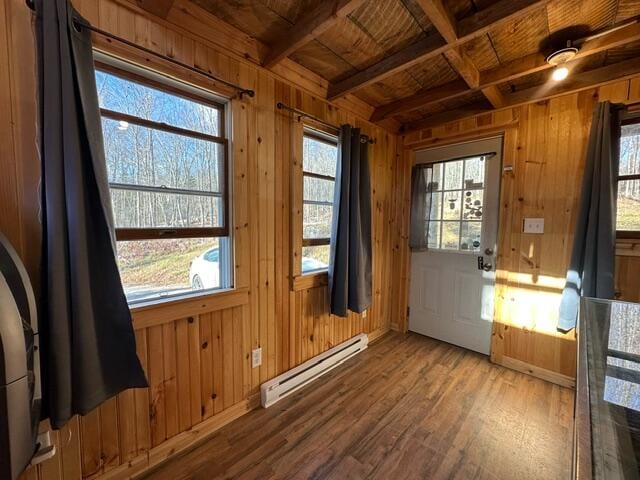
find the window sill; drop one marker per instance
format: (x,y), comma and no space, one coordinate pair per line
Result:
(159,312)
(310,280)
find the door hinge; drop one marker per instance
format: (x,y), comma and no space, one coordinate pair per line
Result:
(408,311)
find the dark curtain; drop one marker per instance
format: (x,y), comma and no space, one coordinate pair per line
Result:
(89,352)
(592,263)
(421,176)
(350,259)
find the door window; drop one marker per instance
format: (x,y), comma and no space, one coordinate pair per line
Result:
(456,197)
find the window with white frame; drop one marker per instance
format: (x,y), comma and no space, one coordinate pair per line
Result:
(167,161)
(320,158)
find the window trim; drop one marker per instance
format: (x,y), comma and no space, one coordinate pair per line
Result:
(155,233)
(628,118)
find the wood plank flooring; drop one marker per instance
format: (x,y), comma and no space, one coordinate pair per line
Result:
(409,407)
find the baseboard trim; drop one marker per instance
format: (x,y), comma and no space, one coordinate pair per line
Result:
(378,334)
(538,372)
(135,466)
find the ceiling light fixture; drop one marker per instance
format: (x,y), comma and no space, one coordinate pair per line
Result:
(560,57)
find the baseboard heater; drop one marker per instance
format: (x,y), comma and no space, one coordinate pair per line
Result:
(296,378)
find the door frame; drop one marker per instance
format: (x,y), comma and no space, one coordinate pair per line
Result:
(442,155)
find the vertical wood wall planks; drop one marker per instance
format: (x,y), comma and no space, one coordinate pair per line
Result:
(208,345)
(155,376)
(183,384)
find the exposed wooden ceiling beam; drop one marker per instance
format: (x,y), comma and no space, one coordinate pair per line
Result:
(446,24)
(581,81)
(422,50)
(423,98)
(536,62)
(441,18)
(415,53)
(160,8)
(575,83)
(449,116)
(494,95)
(463,66)
(513,70)
(312,24)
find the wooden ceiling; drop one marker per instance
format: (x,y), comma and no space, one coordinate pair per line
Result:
(426,61)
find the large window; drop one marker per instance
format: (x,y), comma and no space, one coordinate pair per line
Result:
(456,196)
(628,217)
(166,155)
(320,157)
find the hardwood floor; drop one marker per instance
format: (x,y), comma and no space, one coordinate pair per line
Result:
(408,407)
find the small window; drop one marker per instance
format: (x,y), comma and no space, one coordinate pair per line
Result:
(166,156)
(320,158)
(456,196)
(628,204)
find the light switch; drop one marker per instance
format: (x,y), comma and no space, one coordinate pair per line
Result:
(533,225)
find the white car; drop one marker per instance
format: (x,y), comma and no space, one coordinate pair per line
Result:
(205,270)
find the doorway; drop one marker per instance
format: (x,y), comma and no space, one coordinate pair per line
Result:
(453,279)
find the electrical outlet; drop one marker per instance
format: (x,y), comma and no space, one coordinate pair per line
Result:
(533,225)
(256,357)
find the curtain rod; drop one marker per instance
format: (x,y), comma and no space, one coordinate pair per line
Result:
(300,113)
(78,25)
(464,157)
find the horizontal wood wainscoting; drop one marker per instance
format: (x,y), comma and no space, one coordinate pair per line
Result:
(545,143)
(196,352)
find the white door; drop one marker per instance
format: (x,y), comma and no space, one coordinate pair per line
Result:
(453,280)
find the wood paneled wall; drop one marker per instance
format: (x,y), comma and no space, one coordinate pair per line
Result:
(19,201)
(545,143)
(196,353)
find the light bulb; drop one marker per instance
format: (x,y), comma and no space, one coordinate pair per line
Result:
(560,74)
